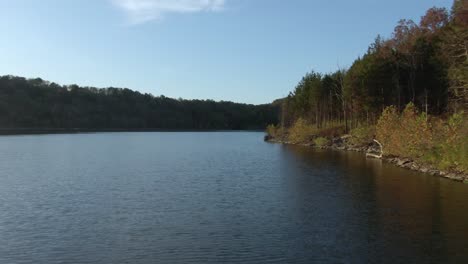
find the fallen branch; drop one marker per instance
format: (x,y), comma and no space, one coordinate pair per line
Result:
(371,155)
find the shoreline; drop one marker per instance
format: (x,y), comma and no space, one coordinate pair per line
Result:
(405,163)
(52,131)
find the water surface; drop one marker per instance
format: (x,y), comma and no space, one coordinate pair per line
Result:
(218,198)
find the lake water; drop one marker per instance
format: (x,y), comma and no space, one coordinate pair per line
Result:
(218,198)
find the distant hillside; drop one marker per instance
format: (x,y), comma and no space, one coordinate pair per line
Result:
(38,104)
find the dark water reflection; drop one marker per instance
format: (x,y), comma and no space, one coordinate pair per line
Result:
(218,197)
(386,214)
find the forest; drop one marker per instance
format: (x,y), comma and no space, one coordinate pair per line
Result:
(409,91)
(37,104)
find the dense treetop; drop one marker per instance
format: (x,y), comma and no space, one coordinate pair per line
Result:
(423,63)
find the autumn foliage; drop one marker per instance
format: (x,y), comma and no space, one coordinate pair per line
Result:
(423,138)
(301,131)
(409,91)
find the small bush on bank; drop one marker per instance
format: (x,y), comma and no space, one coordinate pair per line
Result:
(301,131)
(387,125)
(405,135)
(276,132)
(362,135)
(443,144)
(321,142)
(272,131)
(416,134)
(451,151)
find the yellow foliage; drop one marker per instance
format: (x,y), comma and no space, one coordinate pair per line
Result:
(321,141)
(453,148)
(387,130)
(444,144)
(362,135)
(301,131)
(272,131)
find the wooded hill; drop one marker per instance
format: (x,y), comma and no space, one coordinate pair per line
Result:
(39,104)
(409,93)
(425,63)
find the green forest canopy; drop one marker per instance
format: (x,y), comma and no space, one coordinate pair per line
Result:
(38,104)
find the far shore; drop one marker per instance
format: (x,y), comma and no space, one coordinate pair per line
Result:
(39,131)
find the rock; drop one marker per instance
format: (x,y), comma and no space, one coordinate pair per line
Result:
(455,177)
(450,175)
(374,148)
(345,137)
(402,162)
(337,141)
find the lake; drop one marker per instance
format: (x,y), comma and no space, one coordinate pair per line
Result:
(219,197)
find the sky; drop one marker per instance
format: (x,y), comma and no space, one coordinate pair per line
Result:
(248,51)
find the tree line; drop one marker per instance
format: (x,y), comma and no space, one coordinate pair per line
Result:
(423,63)
(39,104)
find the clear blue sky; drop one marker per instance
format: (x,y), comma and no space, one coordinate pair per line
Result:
(251,51)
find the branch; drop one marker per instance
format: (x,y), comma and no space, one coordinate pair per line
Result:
(375,155)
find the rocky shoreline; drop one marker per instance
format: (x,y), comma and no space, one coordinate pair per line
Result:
(341,144)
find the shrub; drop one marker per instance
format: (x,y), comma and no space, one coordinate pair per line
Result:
(451,151)
(301,131)
(408,135)
(272,131)
(444,144)
(386,131)
(416,133)
(321,141)
(362,135)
